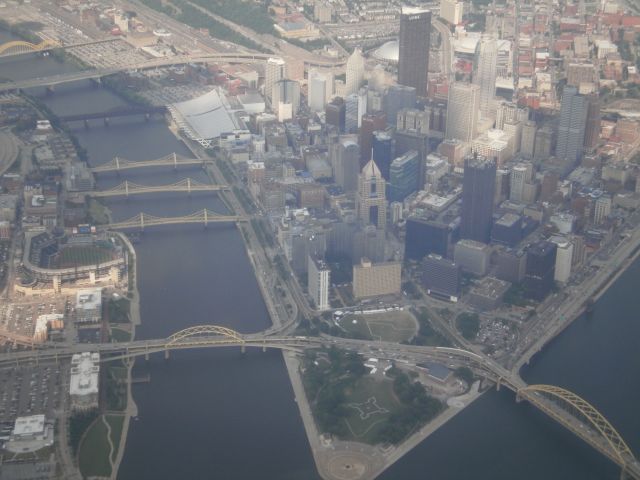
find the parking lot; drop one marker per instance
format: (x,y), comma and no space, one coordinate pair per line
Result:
(29,390)
(20,318)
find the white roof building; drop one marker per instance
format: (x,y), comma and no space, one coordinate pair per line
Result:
(83,385)
(89,305)
(205,117)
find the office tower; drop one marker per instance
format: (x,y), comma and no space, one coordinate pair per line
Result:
(335,112)
(484,74)
(368,242)
(322,11)
(601,209)
(351,113)
(370,123)
(397,98)
(346,165)
(528,141)
(285,99)
(371,202)
(472,256)
(541,263)
(413,120)
(549,185)
(355,72)
(320,89)
(414,44)
(462,112)
(564,259)
(592,128)
(451,11)
(478,188)
(571,125)
(441,277)
(318,282)
(404,176)
(436,111)
(275,70)
(376,279)
(578,73)
(509,112)
(521,174)
(514,130)
(362,105)
(426,236)
(544,142)
(383,151)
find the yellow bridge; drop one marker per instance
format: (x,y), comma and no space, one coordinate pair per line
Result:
(563,406)
(173,160)
(127,188)
(19,47)
(204,217)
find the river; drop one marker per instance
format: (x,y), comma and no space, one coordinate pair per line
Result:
(223,415)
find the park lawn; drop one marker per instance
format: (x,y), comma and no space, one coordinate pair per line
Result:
(119,335)
(98,212)
(376,402)
(116,422)
(388,326)
(94,451)
(83,255)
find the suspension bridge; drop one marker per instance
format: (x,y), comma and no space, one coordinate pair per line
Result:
(174,160)
(202,217)
(561,405)
(128,188)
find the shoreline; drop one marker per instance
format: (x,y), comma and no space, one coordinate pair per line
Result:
(131,409)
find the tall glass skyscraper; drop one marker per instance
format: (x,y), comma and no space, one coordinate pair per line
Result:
(415,40)
(571,125)
(484,74)
(404,176)
(478,188)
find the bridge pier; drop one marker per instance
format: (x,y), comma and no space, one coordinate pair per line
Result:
(166,354)
(147,117)
(498,384)
(146,356)
(86,124)
(49,90)
(243,349)
(107,120)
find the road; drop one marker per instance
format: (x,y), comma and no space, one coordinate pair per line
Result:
(447,51)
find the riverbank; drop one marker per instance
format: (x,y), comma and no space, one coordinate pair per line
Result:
(131,409)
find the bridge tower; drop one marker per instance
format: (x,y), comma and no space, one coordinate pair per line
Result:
(175,161)
(126,188)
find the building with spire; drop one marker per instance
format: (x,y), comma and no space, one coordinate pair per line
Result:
(371,201)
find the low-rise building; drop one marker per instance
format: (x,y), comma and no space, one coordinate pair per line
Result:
(371,279)
(89,305)
(84,382)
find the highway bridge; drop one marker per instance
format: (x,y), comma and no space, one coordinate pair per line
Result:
(116,112)
(53,80)
(563,406)
(202,217)
(128,188)
(19,47)
(173,160)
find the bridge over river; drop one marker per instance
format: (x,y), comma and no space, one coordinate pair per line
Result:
(563,406)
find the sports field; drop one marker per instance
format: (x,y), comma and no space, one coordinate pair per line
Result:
(77,256)
(394,326)
(369,404)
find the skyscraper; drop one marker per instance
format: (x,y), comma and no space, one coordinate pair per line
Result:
(404,176)
(370,123)
(318,274)
(478,188)
(592,130)
(382,151)
(285,93)
(351,113)
(346,165)
(397,98)
(484,74)
(320,89)
(414,43)
(355,72)
(275,70)
(462,114)
(371,202)
(571,126)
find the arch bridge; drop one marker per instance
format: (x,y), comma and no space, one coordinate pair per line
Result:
(173,160)
(20,47)
(127,188)
(204,217)
(563,406)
